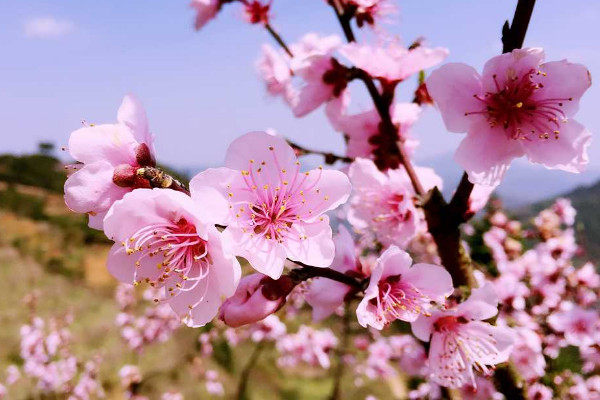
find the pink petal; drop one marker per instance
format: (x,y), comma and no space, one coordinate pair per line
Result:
(486,153)
(394,261)
(112,143)
(317,249)
(364,173)
(256,146)
(431,280)
(309,97)
(423,327)
(419,59)
(265,256)
(345,252)
(210,190)
(91,188)
(225,268)
(567,153)
(144,207)
(325,296)
(324,190)
(509,65)
(120,265)
(563,80)
(132,114)
(452,87)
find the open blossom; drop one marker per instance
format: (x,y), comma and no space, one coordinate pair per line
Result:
(527,354)
(518,106)
(461,341)
(362,129)
(110,155)
(326,295)
(392,62)
(398,290)
(384,202)
(168,240)
(322,77)
(256,297)
(579,326)
(206,10)
(275,210)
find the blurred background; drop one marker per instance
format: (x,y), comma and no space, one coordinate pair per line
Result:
(64,61)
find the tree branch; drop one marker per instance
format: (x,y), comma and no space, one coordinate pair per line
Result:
(308,271)
(243,383)
(330,158)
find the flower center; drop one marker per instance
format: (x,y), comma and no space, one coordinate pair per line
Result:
(519,107)
(182,259)
(272,200)
(397,298)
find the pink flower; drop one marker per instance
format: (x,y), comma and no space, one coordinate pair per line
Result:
(206,10)
(322,77)
(326,295)
(308,346)
(384,202)
(398,291)
(392,62)
(274,68)
(518,106)
(111,155)
(130,375)
(255,12)
(256,297)
(538,391)
(579,326)
(479,198)
(275,211)
(168,240)
(527,354)
(460,341)
(362,129)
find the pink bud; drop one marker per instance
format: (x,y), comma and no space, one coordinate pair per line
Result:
(256,297)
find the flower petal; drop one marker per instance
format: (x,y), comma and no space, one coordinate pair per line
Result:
(453,87)
(112,143)
(567,153)
(431,280)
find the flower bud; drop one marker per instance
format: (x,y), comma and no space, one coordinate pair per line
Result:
(256,297)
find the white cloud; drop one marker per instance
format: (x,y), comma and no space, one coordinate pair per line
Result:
(47,27)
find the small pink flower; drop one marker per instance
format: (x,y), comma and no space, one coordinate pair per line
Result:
(384,202)
(275,210)
(392,62)
(461,341)
(518,106)
(275,70)
(255,12)
(206,10)
(398,291)
(168,240)
(322,77)
(579,326)
(362,129)
(527,354)
(256,297)
(326,295)
(538,391)
(111,155)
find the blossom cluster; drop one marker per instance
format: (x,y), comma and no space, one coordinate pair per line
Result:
(386,267)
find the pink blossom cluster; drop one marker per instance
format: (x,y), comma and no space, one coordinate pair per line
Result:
(307,346)
(154,325)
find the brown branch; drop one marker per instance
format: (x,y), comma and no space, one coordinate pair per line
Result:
(338,374)
(308,271)
(245,375)
(391,152)
(330,158)
(278,39)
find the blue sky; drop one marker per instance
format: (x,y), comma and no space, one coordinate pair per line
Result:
(201,89)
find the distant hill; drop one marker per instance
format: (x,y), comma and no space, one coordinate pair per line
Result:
(586,200)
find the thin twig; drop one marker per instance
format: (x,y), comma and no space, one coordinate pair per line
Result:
(245,375)
(278,39)
(309,271)
(330,158)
